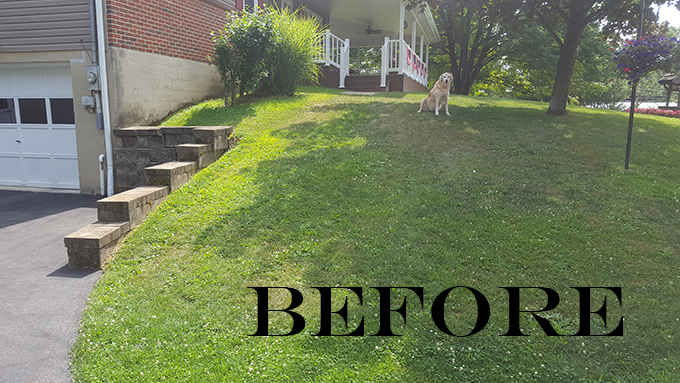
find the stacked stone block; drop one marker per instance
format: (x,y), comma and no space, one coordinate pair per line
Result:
(140,147)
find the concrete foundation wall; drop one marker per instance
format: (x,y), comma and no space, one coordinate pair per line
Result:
(145,87)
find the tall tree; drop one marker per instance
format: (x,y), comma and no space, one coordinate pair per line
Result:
(566,20)
(472,33)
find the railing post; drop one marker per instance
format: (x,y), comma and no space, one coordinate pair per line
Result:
(327,44)
(385,62)
(402,56)
(344,63)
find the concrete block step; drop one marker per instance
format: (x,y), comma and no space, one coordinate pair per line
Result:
(171,174)
(89,247)
(216,137)
(131,205)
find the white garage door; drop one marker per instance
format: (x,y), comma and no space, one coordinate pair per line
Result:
(37,127)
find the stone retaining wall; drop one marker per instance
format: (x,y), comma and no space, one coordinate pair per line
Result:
(139,147)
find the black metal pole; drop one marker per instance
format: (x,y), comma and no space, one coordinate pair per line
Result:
(630,123)
(632,95)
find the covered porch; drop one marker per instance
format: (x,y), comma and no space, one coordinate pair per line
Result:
(388,44)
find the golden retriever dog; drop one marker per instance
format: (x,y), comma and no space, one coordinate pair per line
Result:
(439,95)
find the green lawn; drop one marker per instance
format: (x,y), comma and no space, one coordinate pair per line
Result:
(329,190)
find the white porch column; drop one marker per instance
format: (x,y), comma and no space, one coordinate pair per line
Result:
(402,50)
(422,38)
(427,63)
(414,32)
(385,62)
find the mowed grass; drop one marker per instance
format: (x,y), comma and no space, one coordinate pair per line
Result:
(332,190)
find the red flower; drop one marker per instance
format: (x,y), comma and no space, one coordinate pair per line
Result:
(611,49)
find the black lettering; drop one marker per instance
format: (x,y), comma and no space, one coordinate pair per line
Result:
(263,311)
(326,312)
(385,310)
(483,311)
(514,310)
(584,312)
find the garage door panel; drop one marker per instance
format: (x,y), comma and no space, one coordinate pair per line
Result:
(12,171)
(38,170)
(8,140)
(31,82)
(7,84)
(59,82)
(64,141)
(37,140)
(67,172)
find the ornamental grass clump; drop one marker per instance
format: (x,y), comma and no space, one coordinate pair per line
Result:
(646,54)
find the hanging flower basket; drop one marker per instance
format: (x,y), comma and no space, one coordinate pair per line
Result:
(646,54)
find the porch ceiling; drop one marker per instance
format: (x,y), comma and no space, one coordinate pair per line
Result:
(350,18)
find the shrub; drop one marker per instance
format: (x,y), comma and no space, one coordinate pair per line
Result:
(228,62)
(657,112)
(269,51)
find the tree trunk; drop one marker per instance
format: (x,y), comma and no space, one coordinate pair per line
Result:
(565,69)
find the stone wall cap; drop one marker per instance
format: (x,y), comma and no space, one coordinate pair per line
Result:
(137,131)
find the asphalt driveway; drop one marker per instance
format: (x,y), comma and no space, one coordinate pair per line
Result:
(41,299)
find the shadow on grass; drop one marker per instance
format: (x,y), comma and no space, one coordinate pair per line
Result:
(380,196)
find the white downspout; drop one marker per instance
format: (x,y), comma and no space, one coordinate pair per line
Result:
(103,78)
(101,174)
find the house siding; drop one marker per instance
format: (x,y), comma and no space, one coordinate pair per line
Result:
(174,28)
(44,25)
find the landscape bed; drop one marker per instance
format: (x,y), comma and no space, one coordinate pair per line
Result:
(333,190)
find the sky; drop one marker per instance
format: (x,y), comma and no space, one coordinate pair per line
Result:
(671,14)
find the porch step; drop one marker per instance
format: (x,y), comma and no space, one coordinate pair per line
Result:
(363,83)
(171,174)
(131,205)
(89,247)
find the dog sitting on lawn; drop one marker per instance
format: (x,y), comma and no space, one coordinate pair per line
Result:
(439,95)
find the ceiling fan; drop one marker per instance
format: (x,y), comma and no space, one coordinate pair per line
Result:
(371,31)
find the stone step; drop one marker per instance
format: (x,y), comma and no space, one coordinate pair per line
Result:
(198,153)
(131,205)
(216,137)
(172,174)
(177,135)
(89,247)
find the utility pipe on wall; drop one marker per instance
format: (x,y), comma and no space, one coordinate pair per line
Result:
(101,174)
(103,78)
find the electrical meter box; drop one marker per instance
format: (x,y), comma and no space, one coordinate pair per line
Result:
(93,78)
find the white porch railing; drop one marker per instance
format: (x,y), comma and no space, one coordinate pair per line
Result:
(335,52)
(398,56)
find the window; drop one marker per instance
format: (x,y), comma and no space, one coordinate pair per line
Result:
(250,5)
(62,111)
(7,114)
(32,111)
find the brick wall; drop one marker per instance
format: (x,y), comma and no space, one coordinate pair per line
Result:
(175,28)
